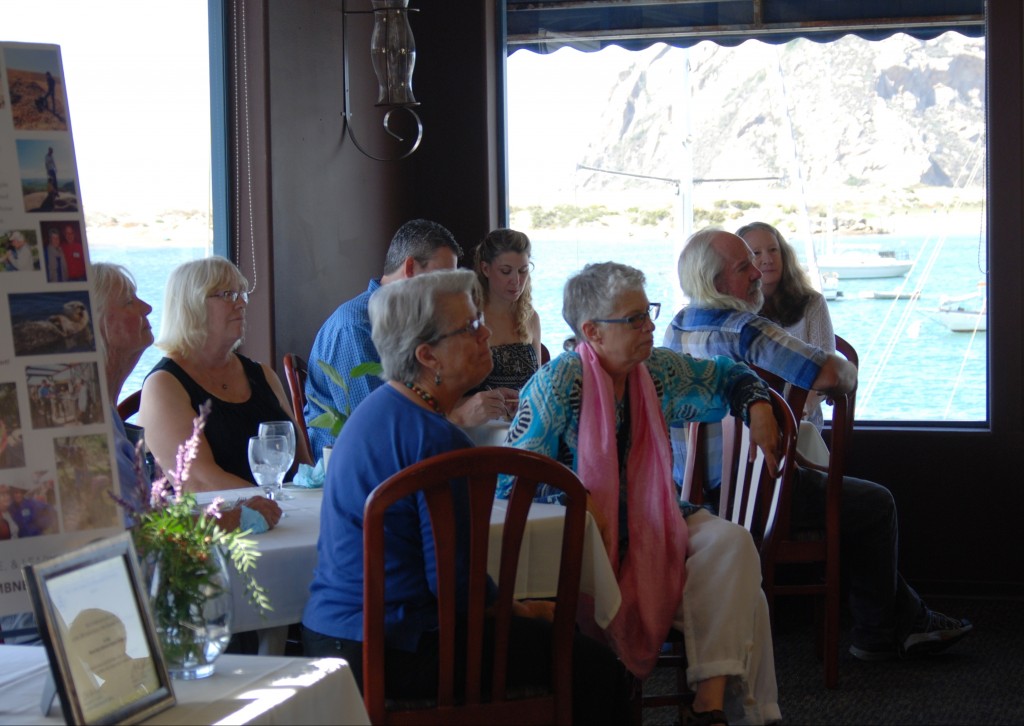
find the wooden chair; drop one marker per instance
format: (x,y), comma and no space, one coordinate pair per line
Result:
(750,495)
(295,374)
(477,702)
(792,547)
(129,405)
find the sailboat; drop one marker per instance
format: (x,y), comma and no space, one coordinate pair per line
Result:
(864,264)
(964,313)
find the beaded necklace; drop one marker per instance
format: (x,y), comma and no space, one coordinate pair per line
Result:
(427,398)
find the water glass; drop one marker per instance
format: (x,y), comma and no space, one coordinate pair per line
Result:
(269,459)
(286,429)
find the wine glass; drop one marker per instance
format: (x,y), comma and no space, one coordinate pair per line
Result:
(269,459)
(286,429)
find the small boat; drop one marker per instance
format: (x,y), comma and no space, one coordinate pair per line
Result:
(861,264)
(830,286)
(963,314)
(889,295)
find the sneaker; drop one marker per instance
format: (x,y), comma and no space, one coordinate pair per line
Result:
(936,632)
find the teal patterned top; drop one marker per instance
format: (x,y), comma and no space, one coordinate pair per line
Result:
(690,389)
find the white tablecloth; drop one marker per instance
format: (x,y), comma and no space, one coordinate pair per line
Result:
(491,433)
(288,557)
(286,563)
(537,575)
(243,690)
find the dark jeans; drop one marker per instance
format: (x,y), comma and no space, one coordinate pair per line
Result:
(600,688)
(883,605)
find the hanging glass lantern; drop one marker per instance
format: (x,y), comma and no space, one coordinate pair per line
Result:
(393,51)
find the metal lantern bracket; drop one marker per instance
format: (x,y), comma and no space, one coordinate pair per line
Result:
(346,125)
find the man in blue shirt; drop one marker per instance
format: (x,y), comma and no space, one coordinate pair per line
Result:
(718,275)
(344,339)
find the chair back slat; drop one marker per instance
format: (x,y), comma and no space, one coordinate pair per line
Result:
(129,405)
(479,469)
(749,490)
(295,374)
(785,548)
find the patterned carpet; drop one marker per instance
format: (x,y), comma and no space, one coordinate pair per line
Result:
(978,681)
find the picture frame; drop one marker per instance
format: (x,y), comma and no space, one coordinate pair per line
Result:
(95,622)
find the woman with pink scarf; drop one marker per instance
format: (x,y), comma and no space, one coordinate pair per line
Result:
(602,410)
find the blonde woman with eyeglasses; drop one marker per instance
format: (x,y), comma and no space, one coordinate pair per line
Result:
(203,324)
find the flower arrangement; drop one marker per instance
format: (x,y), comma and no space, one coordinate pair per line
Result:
(181,547)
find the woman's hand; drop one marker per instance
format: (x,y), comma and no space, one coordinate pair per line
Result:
(483,407)
(231,519)
(764,433)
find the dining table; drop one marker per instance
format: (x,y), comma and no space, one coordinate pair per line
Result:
(288,556)
(242,690)
(284,568)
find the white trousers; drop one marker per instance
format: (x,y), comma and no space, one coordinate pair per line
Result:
(724,619)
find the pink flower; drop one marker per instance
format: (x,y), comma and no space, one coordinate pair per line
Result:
(213,510)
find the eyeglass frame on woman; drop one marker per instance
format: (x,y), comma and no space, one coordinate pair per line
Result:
(473,328)
(636,322)
(231,296)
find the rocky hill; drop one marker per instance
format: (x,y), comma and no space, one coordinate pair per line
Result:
(895,124)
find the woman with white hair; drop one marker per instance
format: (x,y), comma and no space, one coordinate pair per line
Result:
(203,325)
(18,256)
(433,347)
(123,325)
(603,410)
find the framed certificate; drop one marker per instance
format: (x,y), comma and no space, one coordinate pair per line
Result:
(94,620)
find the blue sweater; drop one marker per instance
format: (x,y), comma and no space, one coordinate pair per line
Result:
(385,434)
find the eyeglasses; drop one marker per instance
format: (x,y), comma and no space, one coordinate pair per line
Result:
(635,321)
(231,296)
(472,328)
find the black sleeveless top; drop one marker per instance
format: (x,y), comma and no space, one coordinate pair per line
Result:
(514,364)
(230,425)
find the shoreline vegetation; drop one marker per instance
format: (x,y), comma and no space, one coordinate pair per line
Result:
(966,220)
(564,222)
(134,230)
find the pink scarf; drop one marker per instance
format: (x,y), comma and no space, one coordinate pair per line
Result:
(652,574)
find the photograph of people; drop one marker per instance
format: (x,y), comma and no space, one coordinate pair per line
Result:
(31,511)
(36,85)
(12,450)
(40,162)
(19,251)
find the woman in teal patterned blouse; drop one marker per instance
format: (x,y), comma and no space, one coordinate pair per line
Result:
(602,410)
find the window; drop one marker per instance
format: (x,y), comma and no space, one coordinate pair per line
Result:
(851,146)
(138,85)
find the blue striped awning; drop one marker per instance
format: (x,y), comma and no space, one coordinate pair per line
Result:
(546,25)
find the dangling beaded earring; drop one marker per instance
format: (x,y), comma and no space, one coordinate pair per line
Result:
(437,378)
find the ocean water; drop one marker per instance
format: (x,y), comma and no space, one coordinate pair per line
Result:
(912,367)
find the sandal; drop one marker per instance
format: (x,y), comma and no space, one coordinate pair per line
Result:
(703,718)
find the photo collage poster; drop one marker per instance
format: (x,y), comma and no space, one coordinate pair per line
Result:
(56,438)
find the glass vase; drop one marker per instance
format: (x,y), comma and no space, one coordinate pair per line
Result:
(192,610)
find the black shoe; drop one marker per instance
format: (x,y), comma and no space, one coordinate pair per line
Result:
(935,632)
(703,718)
